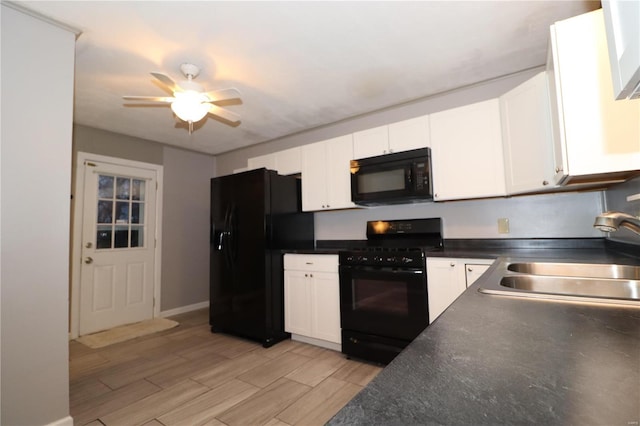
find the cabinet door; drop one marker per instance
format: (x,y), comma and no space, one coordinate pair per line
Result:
(325,310)
(527,137)
(297,303)
(338,180)
(314,177)
(267,161)
(594,133)
(409,134)
(444,284)
(473,271)
(371,142)
(466,155)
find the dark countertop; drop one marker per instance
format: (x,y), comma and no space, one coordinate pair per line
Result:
(498,360)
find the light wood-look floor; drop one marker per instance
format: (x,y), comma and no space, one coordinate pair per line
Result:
(189,376)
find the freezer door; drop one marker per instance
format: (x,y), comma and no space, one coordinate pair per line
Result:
(239,270)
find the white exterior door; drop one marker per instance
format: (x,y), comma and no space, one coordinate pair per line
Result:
(118,239)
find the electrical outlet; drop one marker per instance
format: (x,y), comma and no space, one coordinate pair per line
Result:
(503,225)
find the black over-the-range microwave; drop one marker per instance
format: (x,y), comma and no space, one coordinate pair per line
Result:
(403,177)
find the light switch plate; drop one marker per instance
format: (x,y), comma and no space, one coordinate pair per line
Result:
(503,225)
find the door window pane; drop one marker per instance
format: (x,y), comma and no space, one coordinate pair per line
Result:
(122,188)
(137,213)
(137,191)
(103,237)
(105,186)
(105,211)
(121,237)
(137,236)
(122,212)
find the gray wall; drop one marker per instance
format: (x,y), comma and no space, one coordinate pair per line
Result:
(37,114)
(185,221)
(616,200)
(185,228)
(540,216)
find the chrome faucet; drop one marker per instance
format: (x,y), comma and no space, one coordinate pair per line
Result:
(611,221)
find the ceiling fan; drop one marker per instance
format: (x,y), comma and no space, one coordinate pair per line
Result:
(189,101)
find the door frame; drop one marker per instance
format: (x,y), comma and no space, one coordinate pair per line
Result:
(77,202)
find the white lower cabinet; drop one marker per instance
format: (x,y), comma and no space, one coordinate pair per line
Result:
(447,278)
(312,299)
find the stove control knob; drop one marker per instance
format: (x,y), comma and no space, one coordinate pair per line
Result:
(363,258)
(378,259)
(391,259)
(406,260)
(350,258)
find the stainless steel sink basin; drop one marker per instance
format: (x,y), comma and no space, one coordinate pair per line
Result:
(573,286)
(569,281)
(591,270)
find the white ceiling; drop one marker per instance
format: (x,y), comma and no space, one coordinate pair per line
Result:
(298,65)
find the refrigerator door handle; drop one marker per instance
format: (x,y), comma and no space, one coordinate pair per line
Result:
(220,238)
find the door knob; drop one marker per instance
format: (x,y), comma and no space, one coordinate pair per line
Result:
(88,260)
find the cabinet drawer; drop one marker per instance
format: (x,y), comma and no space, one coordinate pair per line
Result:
(311,262)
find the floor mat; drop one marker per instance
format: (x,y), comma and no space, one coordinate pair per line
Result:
(126,332)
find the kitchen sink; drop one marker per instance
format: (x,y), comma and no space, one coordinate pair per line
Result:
(568,281)
(575,286)
(591,270)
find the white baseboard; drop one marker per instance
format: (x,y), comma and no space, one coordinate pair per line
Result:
(184,309)
(65,421)
(317,342)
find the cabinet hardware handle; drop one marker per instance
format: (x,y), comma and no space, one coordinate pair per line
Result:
(88,260)
(310,275)
(558,169)
(308,263)
(545,183)
(306,275)
(452,264)
(469,269)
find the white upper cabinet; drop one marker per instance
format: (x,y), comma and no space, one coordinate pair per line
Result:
(289,161)
(467,159)
(622,23)
(326,177)
(595,137)
(527,137)
(409,134)
(267,161)
(371,142)
(396,137)
(286,162)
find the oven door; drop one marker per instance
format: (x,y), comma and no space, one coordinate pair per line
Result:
(387,302)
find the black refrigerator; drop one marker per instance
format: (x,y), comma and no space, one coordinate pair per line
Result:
(255,215)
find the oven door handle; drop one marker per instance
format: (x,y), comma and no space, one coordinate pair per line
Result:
(384,269)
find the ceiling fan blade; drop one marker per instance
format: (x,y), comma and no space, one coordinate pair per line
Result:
(224,113)
(223,94)
(167,81)
(150,98)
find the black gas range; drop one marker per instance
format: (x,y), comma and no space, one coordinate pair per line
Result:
(383,288)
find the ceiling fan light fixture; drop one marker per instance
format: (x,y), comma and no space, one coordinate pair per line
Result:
(189,106)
